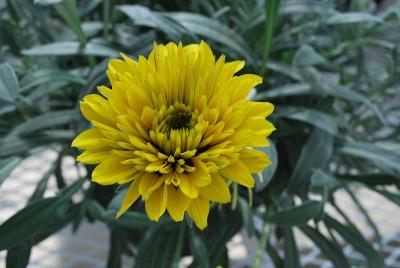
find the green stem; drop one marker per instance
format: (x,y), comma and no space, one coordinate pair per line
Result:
(263,244)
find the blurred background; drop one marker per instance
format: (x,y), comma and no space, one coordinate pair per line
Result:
(330,198)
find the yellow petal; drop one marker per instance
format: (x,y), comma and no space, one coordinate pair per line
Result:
(88,139)
(200,177)
(255,160)
(238,172)
(217,190)
(93,156)
(187,186)
(111,171)
(177,203)
(130,197)
(148,183)
(262,109)
(157,203)
(198,211)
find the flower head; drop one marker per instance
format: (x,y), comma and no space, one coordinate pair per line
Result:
(177,128)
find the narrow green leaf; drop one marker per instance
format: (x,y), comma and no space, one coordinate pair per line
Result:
(48,76)
(370,179)
(314,154)
(271,14)
(314,117)
(67,10)
(284,91)
(298,215)
(129,219)
(385,159)
(47,120)
(198,250)
(307,56)
(46,2)
(394,197)
(8,83)
(247,216)
(320,179)
(16,145)
(292,258)
(179,246)
(143,16)
(329,249)
(157,247)
(18,256)
(374,259)
(7,166)
(115,252)
(35,217)
(212,29)
(352,17)
(71,48)
(366,216)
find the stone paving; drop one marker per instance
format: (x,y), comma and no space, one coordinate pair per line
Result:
(89,246)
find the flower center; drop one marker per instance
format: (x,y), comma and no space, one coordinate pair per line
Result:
(177,116)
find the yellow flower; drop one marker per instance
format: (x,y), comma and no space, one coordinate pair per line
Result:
(177,128)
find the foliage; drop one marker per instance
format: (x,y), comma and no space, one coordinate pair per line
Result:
(330,67)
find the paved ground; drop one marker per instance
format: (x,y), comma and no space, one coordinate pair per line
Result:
(88,248)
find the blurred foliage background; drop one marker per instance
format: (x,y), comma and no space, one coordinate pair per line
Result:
(330,67)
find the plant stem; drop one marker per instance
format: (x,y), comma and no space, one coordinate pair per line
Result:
(262,245)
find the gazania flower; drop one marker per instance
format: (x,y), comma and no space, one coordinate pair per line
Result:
(177,128)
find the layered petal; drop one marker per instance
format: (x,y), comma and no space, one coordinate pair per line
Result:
(198,211)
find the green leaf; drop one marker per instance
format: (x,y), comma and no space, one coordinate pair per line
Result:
(157,247)
(179,246)
(48,76)
(311,116)
(298,215)
(320,86)
(115,252)
(35,217)
(7,166)
(8,83)
(328,248)
(129,219)
(315,154)
(292,258)
(67,10)
(46,2)
(214,30)
(321,179)
(71,48)
(17,145)
(353,237)
(307,56)
(18,256)
(47,120)
(271,14)
(370,179)
(198,250)
(352,17)
(284,91)
(263,179)
(143,16)
(313,7)
(394,197)
(385,159)
(247,215)
(216,235)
